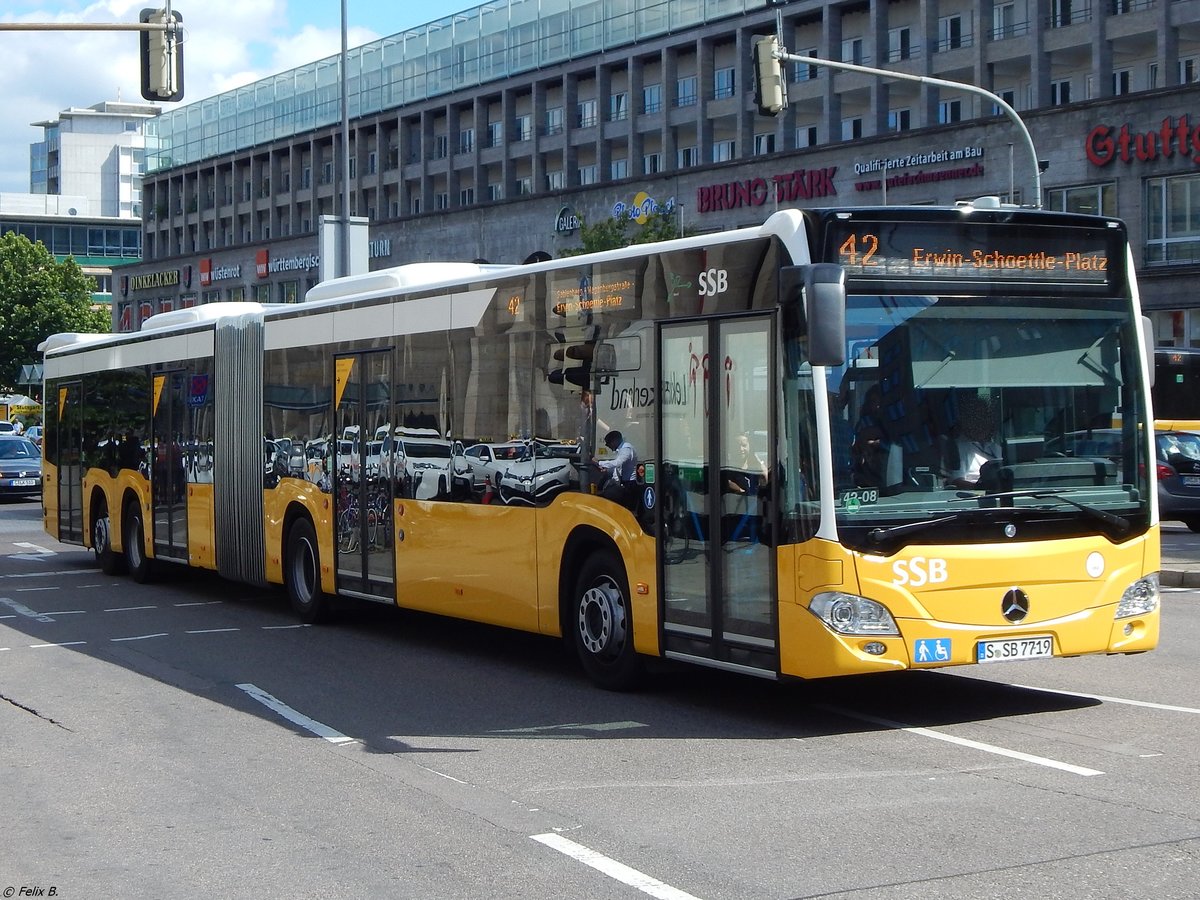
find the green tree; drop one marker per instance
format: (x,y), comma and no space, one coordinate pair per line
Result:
(610,233)
(39,296)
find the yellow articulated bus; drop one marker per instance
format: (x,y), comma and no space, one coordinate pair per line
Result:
(846,441)
(1176,389)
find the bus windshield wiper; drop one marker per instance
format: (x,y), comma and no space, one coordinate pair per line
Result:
(881,534)
(1118,524)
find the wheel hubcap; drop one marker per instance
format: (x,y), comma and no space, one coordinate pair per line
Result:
(100,535)
(602,619)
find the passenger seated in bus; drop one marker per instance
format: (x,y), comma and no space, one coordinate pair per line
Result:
(876,457)
(974,444)
(619,469)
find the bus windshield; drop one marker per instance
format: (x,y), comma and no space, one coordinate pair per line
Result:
(956,410)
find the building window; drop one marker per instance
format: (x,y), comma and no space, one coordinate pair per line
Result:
(415,206)
(466,197)
(441,146)
(685,91)
(652,98)
(1009,96)
(441,200)
(1092,199)
(722,151)
(618,106)
(806,136)
(495,191)
(852,128)
(372,162)
(1068,12)
(524,186)
(466,140)
(495,132)
(899,43)
(950,33)
(764,144)
(1060,92)
(1152,76)
(806,71)
(950,111)
(554,120)
(651,163)
(687,157)
(523,128)
(326,173)
(1004,21)
(852,51)
(586,113)
(619,169)
(899,119)
(555,181)
(1189,69)
(1121,81)
(586,174)
(1173,219)
(723,83)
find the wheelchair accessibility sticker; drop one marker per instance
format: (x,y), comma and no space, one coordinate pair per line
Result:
(928,650)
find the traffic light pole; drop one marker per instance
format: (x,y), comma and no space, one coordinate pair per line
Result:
(781,54)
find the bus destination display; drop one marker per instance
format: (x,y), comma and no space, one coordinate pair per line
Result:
(972,252)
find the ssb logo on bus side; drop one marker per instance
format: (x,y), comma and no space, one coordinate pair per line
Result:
(713,282)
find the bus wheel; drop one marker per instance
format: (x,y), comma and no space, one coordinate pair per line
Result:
(602,625)
(109,561)
(302,574)
(135,544)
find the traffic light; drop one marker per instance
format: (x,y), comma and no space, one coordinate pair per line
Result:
(770,90)
(162,56)
(571,357)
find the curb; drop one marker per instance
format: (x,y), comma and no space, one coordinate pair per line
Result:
(1179,579)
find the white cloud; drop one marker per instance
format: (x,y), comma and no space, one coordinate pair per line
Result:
(228,43)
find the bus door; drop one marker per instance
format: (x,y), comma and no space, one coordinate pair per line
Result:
(68,461)
(168,479)
(363,478)
(718,444)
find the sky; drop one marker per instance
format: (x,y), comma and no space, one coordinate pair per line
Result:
(228,43)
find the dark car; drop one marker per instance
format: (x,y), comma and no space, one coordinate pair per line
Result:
(20,467)
(1179,476)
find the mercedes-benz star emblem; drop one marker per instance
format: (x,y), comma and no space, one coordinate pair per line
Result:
(1015,605)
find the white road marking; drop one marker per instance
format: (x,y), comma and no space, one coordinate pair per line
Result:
(199,603)
(297,718)
(284,627)
(48,574)
(1143,703)
(443,775)
(28,546)
(66,612)
(612,868)
(23,610)
(27,590)
(63,644)
(128,608)
(211,630)
(599,726)
(140,637)
(964,742)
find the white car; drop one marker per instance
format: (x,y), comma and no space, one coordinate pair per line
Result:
(425,461)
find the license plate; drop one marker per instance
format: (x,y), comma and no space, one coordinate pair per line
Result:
(1191,480)
(1013,649)
(24,482)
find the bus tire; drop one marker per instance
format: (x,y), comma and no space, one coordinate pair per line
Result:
(302,574)
(136,560)
(601,623)
(109,560)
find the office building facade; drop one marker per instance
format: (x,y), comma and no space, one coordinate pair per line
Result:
(494,133)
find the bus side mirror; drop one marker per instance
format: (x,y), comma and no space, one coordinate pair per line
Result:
(812,299)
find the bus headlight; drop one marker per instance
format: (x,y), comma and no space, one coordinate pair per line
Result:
(1139,598)
(851,614)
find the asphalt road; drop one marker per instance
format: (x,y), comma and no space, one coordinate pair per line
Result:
(188,739)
